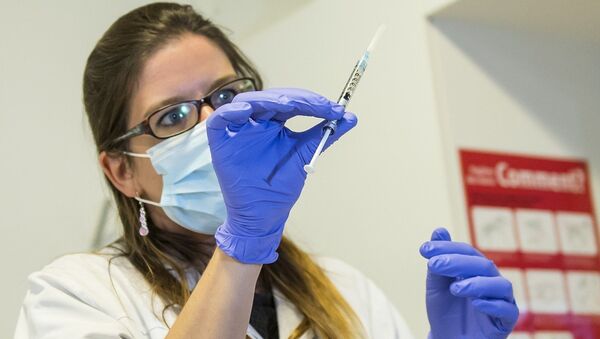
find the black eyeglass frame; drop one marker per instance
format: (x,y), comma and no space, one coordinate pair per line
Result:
(144,126)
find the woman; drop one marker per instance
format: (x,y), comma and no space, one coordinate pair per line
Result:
(204,188)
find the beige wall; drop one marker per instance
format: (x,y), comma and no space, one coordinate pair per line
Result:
(381,190)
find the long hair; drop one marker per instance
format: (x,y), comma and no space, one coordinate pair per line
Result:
(109,80)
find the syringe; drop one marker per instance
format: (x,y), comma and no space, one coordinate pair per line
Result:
(344,99)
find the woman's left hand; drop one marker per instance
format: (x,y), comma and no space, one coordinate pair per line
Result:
(466,296)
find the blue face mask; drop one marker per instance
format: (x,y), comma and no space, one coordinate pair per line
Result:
(191,195)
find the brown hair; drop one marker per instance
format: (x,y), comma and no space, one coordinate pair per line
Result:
(110,77)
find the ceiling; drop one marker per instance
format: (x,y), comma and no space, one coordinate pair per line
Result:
(245,18)
(570,19)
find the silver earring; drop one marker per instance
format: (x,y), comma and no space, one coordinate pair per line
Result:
(143,223)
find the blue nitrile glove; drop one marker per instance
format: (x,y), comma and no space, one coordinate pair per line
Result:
(259,163)
(466,296)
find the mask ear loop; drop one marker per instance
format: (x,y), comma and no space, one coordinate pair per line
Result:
(143,222)
(137,155)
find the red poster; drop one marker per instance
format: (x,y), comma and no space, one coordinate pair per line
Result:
(534,217)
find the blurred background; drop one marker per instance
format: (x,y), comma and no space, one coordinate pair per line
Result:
(514,75)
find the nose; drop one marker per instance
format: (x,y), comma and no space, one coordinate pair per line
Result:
(205,112)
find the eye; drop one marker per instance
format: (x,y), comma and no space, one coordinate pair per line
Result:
(176,115)
(222,97)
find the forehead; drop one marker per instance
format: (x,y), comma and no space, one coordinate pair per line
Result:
(187,66)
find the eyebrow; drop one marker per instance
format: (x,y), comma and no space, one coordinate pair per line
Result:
(171,100)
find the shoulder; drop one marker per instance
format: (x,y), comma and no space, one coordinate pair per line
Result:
(337,269)
(80,263)
(92,263)
(378,315)
(104,280)
(87,272)
(351,282)
(75,289)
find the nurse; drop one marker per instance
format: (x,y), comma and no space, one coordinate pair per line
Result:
(204,174)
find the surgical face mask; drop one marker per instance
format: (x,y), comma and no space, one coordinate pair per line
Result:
(191,195)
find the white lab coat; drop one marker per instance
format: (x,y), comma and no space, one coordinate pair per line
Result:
(73,297)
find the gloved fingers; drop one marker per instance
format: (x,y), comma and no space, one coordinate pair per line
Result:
(346,123)
(506,312)
(461,266)
(261,116)
(228,117)
(432,248)
(440,233)
(288,103)
(483,288)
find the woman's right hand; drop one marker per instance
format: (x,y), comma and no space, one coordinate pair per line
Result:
(259,163)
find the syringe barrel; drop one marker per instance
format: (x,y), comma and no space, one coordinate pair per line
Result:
(349,88)
(332,125)
(348,91)
(353,80)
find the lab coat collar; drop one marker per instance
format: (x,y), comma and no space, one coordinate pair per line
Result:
(288,316)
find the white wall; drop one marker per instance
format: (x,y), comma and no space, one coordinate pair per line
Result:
(526,87)
(51,186)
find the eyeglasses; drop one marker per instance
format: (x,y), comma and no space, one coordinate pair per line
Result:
(180,117)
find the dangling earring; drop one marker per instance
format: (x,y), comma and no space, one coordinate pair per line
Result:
(143,223)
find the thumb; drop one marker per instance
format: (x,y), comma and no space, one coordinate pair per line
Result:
(438,284)
(440,234)
(345,124)
(315,134)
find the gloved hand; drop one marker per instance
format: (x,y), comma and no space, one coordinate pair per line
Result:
(259,163)
(466,296)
